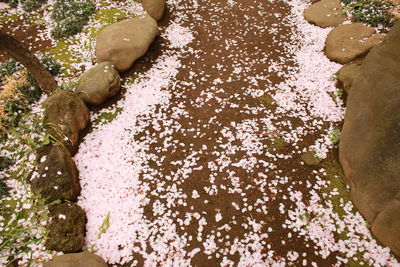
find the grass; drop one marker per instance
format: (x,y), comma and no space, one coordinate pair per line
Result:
(27,5)
(334,136)
(372,12)
(70,16)
(19,90)
(23,214)
(23,219)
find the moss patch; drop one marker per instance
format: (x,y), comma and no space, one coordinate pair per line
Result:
(105,17)
(276,144)
(4,17)
(62,53)
(107,117)
(266,100)
(337,183)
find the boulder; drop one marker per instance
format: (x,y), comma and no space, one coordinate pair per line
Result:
(155,8)
(84,259)
(387,224)
(98,84)
(125,41)
(348,42)
(66,231)
(56,176)
(347,74)
(369,149)
(65,115)
(326,13)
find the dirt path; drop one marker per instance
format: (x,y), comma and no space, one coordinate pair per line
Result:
(203,165)
(233,138)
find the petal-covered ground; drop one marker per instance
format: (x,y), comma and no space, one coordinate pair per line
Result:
(202,164)
(198,162)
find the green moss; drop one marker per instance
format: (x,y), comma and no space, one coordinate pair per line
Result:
(105,17)
(103,4)
(266,100)
(5,17)
(63,54)
(276,144)
(334,136)
(107,117)
(337,180)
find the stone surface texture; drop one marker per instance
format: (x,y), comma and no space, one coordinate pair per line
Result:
(57,175)
(348,73)
(155,8)
(370,144)
(125,41)
(84,259)
(325,13)
(67,228)
(348,42)
(310,159)
(65,115)
(99,83)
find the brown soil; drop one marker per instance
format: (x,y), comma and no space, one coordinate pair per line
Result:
(27,35)
(212,29)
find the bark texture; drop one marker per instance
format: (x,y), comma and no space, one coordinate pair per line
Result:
(17,51)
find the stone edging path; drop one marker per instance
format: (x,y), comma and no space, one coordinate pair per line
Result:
(66,115)
(222,152)
(203,165)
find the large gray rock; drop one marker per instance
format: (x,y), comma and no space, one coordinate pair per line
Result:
(56,176)
(65,115)
(348,42)
(348,73)
(98,83)
(84,259)
(123,42)
(370,141)
(155,8)
(66,231)
(326,13)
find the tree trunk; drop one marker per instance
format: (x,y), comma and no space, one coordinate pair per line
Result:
(17,51)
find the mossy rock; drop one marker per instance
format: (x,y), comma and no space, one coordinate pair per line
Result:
(67,228)
(57,175)
(65,115)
